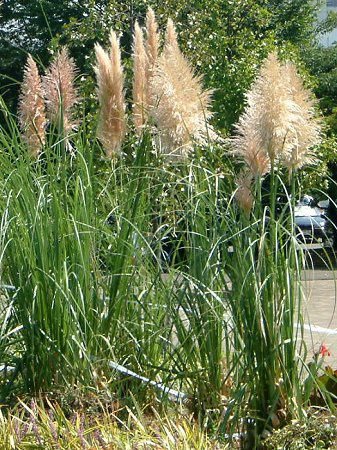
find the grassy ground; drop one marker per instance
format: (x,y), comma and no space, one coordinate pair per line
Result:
(47,427)
(44,425)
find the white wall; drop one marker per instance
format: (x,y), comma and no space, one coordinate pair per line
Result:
(327,39)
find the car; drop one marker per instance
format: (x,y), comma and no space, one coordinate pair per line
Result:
(312,224)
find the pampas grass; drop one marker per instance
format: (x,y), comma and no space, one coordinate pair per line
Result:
(60,92)
(32,117)
(243,194)
(152,44)
(152,40)
(140,82)
(171,38)
(306,125)
(248,143)
(270,96)
(180,106)
(262,128)
(164,87)
(278,124)
(110,79)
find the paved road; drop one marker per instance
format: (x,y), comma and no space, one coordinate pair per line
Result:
(320,307)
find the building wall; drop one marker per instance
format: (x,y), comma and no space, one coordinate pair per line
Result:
(328,39)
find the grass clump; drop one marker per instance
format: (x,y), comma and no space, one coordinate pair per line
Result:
(47,426)
(148,282)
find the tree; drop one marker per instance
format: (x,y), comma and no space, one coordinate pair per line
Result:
(27,26)
(226,40)
(320,63)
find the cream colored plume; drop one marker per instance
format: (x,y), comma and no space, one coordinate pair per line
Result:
(140,81)
(243,194)
(152,39)
(110,80)
(248,143)
(32,117)
(270,95)
(171,38)
(306,127)
(179,104)
(276,123)
(60,92)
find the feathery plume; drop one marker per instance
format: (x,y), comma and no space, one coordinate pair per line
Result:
(305,125)
(59,91)
(110,79)
(248,143)
(178,102)
(32,117)
(140,87)
(171,38)
(278,122)
(243,194)
(152,38)
(270,95)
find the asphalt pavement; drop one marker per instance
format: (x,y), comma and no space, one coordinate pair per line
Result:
(320,305)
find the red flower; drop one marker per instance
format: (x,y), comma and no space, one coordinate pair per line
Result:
(324,351)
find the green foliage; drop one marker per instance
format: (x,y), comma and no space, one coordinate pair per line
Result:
(28,27)
(224,40)
(320,63)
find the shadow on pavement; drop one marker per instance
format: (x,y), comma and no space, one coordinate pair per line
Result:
(321,259)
